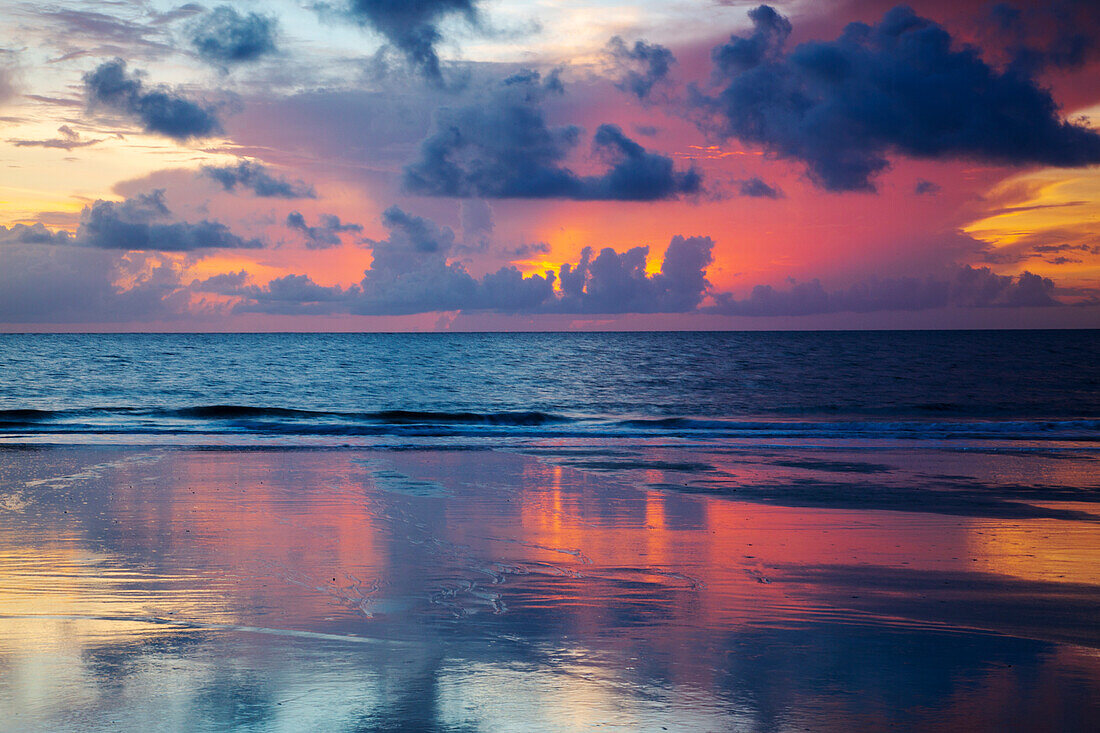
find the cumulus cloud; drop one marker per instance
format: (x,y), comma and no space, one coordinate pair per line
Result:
(755,187)
(68,139)
(140,223)
(412,273)
(902,86)
(618,283)
(639,68)
(327,232)
(36,233)
(412,26)
(224,37)
(969,287)
(158,110)
(502,147)
(137,224)
(409,274)
(256,177)
(226,283)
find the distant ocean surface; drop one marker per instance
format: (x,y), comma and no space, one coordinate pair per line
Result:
(1005,385)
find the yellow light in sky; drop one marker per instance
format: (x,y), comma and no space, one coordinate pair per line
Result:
(40,179)
(1045,221)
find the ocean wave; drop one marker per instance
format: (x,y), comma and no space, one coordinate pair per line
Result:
(292,421)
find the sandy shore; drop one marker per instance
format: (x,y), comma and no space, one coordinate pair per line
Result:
(549,588)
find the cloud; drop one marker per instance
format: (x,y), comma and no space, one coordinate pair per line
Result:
(187,10)
(900,87)
(1061,34)
(502,148)
(326,234)
(926,188)
(136,224)
(411,273)
(69,140)
(159,110)
(618,283)
(638,69)
(756,188)
(523,251)
(412,26)
(72,284)
(100,28)
(224,37)
(226,283)
(969,287)
(36,233)
(1081,240)
(8,85)
(141,223)
(255,176)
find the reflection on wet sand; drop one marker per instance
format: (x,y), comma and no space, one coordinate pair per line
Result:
(465,590)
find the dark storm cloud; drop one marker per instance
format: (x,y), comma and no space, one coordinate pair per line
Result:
(327,232)
(224,37)
(412,26)
(256,177)
(158,109)
(502,147)
(140,223)
(68,139)
(969,288)
(641,67)
(902,86)
(755,187)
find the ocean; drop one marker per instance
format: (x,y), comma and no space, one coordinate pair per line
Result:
(1018,385)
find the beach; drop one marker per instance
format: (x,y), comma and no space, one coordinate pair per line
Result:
(557,586)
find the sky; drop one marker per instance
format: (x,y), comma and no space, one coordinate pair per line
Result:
(374,165)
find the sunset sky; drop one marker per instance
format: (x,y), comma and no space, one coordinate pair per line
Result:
(531,164)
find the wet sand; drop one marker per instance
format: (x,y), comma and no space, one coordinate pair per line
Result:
(554,587)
